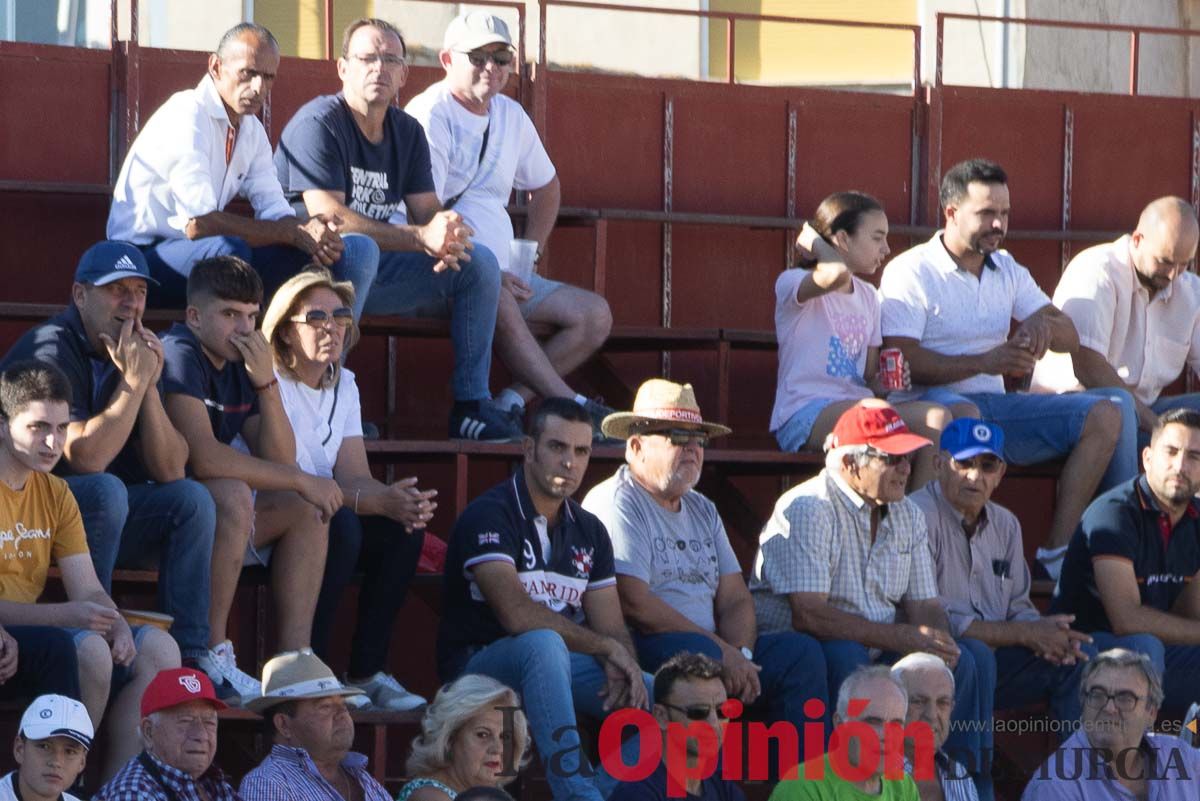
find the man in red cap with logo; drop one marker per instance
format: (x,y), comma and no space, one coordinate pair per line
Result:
(845,557)
(179,735)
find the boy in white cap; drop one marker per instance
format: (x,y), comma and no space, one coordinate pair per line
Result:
(50,750)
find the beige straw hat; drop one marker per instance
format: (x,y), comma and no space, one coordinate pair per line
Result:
(660,401)
(294,675)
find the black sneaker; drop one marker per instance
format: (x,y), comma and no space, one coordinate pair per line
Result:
(598,411)
(224,689)
(483,422)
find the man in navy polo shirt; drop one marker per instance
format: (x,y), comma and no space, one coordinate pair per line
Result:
(124,460)
(221,391)
(530,599)
(1137,550)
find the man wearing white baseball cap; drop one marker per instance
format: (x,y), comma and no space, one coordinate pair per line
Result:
(482,146)
(50,750)
(305,705)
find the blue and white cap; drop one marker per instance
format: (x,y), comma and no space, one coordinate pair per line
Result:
(108,261)
(57,716)
(967,437)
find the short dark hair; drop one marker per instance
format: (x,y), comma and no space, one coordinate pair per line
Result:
(288,708)
(566,408)
(681,667)
(965,173)
(26,382)
(371,22)
(482,792)
(241,29)
(1180,417)
(225,278)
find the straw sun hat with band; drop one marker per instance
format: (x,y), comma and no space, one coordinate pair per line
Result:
(658,404)
(294,675)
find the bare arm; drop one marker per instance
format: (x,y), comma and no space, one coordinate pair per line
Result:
(542,212)
(385,234)
(401,500)
(1117,584)
(927,612)
(734,609)
(812,613)
(257,233)
(1093,370)
(162,449)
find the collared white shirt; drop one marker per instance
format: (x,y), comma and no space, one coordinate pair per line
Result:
(176,169)
(1148,342)
(927,297)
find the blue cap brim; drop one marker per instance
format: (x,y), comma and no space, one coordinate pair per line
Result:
(975,450)
(120,274)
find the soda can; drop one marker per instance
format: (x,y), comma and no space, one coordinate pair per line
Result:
(891,368)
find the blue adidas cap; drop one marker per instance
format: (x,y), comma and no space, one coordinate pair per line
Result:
(108,261)
(967,437)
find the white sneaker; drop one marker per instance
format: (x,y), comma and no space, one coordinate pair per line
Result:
(386,693)
(247,686)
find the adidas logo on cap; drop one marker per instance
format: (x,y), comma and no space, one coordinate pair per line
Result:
(126,264)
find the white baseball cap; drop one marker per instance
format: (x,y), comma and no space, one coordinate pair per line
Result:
(57,716)
(473,30)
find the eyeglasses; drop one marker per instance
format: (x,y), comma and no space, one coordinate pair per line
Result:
(372,59)
(1123,700)
(342,318)
(986,464)
(480,58)
(697,712)
(681,436)
(890,459)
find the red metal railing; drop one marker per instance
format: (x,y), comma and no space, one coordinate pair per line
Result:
(1135,34)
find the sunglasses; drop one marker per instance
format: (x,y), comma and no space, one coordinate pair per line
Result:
(697,712)
(479,58)
(890,459)
(342,318)
(986,464)
(681,436)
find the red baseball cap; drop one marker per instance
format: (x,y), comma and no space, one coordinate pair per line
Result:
(878,426)
(178,686)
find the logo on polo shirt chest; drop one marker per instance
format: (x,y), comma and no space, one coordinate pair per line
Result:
(581,560)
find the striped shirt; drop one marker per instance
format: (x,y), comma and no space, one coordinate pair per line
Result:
(955,782)
(289,774)
(818,539)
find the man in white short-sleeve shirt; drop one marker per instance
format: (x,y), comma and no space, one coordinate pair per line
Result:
(1137,310)
(482,146)
(949,303)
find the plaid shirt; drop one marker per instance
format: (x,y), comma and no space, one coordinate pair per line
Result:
(134,783)
(818,539)
(289,774)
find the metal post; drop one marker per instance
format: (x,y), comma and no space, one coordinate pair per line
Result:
(328,30)
(1135,43)
(729,50)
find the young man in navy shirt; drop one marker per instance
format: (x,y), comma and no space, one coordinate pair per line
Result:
(530,599)
(223,396)
(1137,551)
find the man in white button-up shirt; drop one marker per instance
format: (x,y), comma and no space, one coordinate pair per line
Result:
(1137,310)
(202,148)
(949,304)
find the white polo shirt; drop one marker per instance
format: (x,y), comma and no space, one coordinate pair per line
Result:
(1146,341)
(926,297)
(176,169)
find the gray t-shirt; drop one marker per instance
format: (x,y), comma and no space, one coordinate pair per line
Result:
(681,555)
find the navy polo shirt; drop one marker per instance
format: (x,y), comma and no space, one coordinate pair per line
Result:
(1127,523)
(228,393)
(62,342)
(501,525)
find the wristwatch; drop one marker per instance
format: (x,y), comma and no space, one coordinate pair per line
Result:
(746,652)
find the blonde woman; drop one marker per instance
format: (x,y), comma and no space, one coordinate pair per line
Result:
(473,734)
(380,528)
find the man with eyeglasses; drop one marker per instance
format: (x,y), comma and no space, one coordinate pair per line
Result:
(199,151)
(1114,755)
(845,558)
(355,156)
(680,583)
(1132,572)
(984,581)
(930,687)
(688,689)
(483,146)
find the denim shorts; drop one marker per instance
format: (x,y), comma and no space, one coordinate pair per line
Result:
(121,674)
(542,289)
(792,435)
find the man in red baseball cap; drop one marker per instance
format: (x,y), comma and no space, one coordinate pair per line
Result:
(179,734)
(845,557)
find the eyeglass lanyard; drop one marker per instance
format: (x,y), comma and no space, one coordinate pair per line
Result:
(336,388)
(449,204)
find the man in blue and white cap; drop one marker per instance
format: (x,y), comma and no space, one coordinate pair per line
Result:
(984,580)
(50,750)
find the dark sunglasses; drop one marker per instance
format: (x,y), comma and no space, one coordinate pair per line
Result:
(986,464)
(501,58)
(697,712)
(890,459)
(343,317)
(681,436)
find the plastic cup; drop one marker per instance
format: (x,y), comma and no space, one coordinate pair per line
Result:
(522,253)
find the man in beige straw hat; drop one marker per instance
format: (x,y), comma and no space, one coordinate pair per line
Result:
(680,583)
(305,705)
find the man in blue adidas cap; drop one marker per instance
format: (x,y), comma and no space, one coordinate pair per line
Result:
(123,459)
(984,580)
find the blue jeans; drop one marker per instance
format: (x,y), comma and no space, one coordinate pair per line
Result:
(46,663)
(553,683)
(170,527)
(1179,666)
(407,284)
(104,505)
(171,262)
(1022,678)
(974,697)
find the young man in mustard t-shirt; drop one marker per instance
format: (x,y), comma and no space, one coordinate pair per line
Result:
(39,525)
